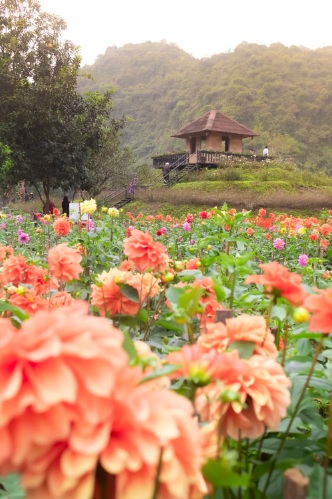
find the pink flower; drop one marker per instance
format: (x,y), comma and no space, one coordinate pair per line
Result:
(303,260)
(279,244)
(186,226)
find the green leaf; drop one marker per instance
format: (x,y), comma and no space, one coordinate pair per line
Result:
(169,325)
(279,312)
(18,312)
(190,275)
(18,315)
(220,475)
(11,488)
(190,299)
(315,488)
(129,292)
(173,294)
(129,346)
(143,315)
(245,348)
(158,373)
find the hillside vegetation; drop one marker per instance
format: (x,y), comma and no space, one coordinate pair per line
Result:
(283,93)
(273,185)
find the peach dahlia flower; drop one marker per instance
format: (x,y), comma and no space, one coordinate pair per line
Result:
(69,398)
(61,226)
(321,307)
(108,297)
(144,252)
(263,398)
(64,262)
(242,328)
(13,270)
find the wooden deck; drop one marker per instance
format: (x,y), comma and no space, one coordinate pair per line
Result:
(204,158)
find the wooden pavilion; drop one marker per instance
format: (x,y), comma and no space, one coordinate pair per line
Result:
(208,139)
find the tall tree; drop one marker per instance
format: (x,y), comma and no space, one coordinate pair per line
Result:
(52,130)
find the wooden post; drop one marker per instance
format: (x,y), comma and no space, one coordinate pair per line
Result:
(295,484)
(222,315)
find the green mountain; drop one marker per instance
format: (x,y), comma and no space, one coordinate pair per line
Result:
(283,93)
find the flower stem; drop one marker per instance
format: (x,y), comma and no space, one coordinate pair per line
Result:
(157,482)
(231,298)
(285,434)
(328,450)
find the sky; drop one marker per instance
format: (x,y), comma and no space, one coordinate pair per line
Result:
(200,27)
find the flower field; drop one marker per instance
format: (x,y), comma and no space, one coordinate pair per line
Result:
(146,357)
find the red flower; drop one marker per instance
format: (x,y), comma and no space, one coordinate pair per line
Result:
(203,214)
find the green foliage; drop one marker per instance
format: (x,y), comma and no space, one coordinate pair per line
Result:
(52,130)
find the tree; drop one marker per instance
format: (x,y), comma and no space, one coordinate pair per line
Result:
(52,129)
(112,166)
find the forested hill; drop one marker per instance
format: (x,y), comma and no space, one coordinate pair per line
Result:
(283,93)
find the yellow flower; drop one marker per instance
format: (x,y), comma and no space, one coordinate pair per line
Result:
(104,209)
(302,230)
(88,207)
(113,212)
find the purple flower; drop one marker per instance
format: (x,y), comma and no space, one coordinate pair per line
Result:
(303,260)
(91,224)
(9,215)
(19,219)
(192,241)
(23,238)
(186,226)
(163,230)
(278,243)
(19,232)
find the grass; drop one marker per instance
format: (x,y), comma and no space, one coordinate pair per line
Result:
(250,186)
(276,186)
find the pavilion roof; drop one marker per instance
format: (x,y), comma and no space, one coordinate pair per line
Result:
(215,121)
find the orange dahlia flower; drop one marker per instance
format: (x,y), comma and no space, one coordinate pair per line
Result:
(64,262)
(28,301)
(61,299)
(126,265)
(58,372)
(278,281)
(150,421)
(321,307)
(5,252)
(61,226)
(202,366)
(242,328)
(108,297)
(145,252)
(193,263)
(263,398)
(13,270)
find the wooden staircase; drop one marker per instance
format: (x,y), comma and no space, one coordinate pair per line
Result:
(178,170)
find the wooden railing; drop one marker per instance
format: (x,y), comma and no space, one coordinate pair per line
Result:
(159,161)
(206,157)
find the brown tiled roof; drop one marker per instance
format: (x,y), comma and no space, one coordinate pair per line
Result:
(217,122)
